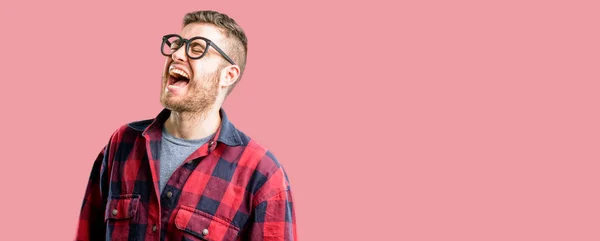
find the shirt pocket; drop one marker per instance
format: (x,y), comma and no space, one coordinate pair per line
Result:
(199,225)
(121,208)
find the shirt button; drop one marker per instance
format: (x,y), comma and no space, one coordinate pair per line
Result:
(154,228)
(169,194)
(205,232)
(115,212)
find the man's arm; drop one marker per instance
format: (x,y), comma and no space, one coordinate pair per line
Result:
(275,219)
(91,219)
(274,216)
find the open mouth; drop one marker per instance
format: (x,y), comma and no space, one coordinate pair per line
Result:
(178,78)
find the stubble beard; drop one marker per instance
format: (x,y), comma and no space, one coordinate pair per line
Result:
(200,97)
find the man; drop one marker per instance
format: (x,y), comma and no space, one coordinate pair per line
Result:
(189,174)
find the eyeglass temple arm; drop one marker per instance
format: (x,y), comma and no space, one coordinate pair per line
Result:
(222,53)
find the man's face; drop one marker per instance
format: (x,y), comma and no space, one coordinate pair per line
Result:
(192,85)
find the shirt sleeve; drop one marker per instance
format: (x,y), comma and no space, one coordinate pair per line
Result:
(91,218)
(274,217)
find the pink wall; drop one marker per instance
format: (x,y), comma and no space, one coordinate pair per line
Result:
(436,120)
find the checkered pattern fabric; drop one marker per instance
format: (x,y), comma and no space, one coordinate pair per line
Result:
(231,188)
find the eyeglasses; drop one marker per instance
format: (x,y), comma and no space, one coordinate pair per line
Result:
(195,48)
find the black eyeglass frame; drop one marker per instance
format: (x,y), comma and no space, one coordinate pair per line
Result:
(187,47)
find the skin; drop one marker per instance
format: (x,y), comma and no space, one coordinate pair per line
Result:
(195,107)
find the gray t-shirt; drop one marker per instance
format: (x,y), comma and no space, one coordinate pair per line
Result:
(173,151)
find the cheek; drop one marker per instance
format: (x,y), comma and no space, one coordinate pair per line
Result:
(204,67)
(205,74)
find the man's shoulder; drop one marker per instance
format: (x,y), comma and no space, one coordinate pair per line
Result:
(267,163)
(263,154)
(268,174)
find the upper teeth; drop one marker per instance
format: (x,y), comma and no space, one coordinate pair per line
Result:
(179,72)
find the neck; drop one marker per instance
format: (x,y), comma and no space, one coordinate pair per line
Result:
(191,126)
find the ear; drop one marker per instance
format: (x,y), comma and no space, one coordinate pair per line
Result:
(229,75)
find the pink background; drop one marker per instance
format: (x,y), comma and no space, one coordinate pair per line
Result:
(436,120)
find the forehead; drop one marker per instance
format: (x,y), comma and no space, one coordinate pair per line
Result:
(208,31)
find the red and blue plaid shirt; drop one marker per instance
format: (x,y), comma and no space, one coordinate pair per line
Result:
(231,188)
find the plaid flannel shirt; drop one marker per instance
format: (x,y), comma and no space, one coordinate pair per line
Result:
(231,188)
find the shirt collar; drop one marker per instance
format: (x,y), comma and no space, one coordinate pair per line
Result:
(227,132)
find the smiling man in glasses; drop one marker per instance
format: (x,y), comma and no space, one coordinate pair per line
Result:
(189,173)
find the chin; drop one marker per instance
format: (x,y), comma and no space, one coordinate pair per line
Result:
(170,103)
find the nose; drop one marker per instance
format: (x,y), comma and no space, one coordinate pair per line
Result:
(179,54)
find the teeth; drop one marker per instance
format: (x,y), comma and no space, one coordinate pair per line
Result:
(178,72)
